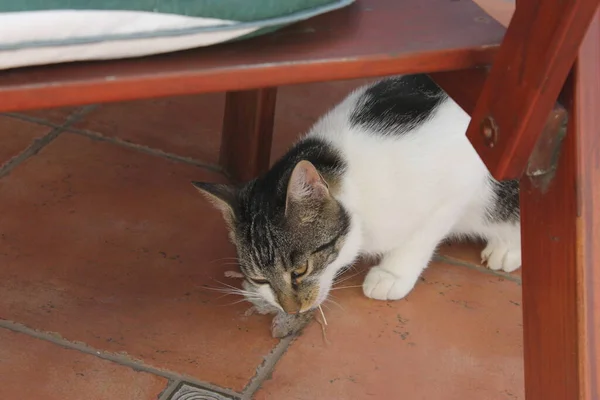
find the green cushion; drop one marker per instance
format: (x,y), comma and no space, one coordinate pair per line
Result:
(36,32)
(236,10)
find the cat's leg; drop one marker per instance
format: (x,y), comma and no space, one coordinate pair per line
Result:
(399,269)
(503,250)
(494,216)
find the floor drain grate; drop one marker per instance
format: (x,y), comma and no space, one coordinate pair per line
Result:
(188,392)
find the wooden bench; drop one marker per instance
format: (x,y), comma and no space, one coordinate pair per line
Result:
(516,128)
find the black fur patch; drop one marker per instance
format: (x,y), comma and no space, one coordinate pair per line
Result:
(398,104)
(268,192)
(506,207)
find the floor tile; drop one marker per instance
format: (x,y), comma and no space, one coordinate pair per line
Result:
(35,369)
(501,10)
(17,135)
(190,126)
(114,248)
(300,106)
(56,116)
(457,336)
(187,126)
(469,252)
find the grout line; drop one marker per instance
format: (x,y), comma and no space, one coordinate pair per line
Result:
(35,120)
(264,371)
(78,115)
(39,144)
(146,149)
(33,149)
(136,365)
(460,263)
(98,136)
(171,387)
(75,116)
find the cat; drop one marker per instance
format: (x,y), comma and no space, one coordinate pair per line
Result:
(388,172)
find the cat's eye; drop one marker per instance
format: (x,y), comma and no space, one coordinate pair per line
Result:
(259,281)
(301,271)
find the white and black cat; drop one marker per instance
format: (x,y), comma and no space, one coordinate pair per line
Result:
(387,172)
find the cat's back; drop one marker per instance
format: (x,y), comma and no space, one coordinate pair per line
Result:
(388,109)
(396,105)
(404,146)
(397,123)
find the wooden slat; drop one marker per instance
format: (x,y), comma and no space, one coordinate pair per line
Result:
(587,122)
(561,251)
(529,71)
(369,38)
(247,133)
(464,86)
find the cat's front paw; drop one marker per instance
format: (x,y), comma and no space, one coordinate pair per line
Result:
(380,284)
(501,257)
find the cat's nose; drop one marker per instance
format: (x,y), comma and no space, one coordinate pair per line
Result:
(291,310)
(306,308)
(290,306)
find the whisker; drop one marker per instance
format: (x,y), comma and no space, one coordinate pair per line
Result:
(323,315)
(345,278)
(222,289)
(351,267)
(347,269)
(236,302)
(346,287)
(249,295)
(340,273)
(337,304)
(224,259)
(225,294)
(226,291)
(225,284)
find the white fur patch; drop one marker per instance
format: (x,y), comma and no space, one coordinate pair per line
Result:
(406,193)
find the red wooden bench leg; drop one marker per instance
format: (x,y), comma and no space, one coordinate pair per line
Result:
(247,133)
(561,251)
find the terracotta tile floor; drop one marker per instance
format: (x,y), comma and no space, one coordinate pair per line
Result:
(106,253)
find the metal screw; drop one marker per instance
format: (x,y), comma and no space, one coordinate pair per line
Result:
(489,131)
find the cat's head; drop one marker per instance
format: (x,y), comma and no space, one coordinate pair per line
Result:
(289,231)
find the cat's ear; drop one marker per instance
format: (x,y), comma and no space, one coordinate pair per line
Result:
(223,197)
(306,184)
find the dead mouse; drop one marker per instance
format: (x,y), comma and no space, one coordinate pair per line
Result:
(290,324)
(283,324)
